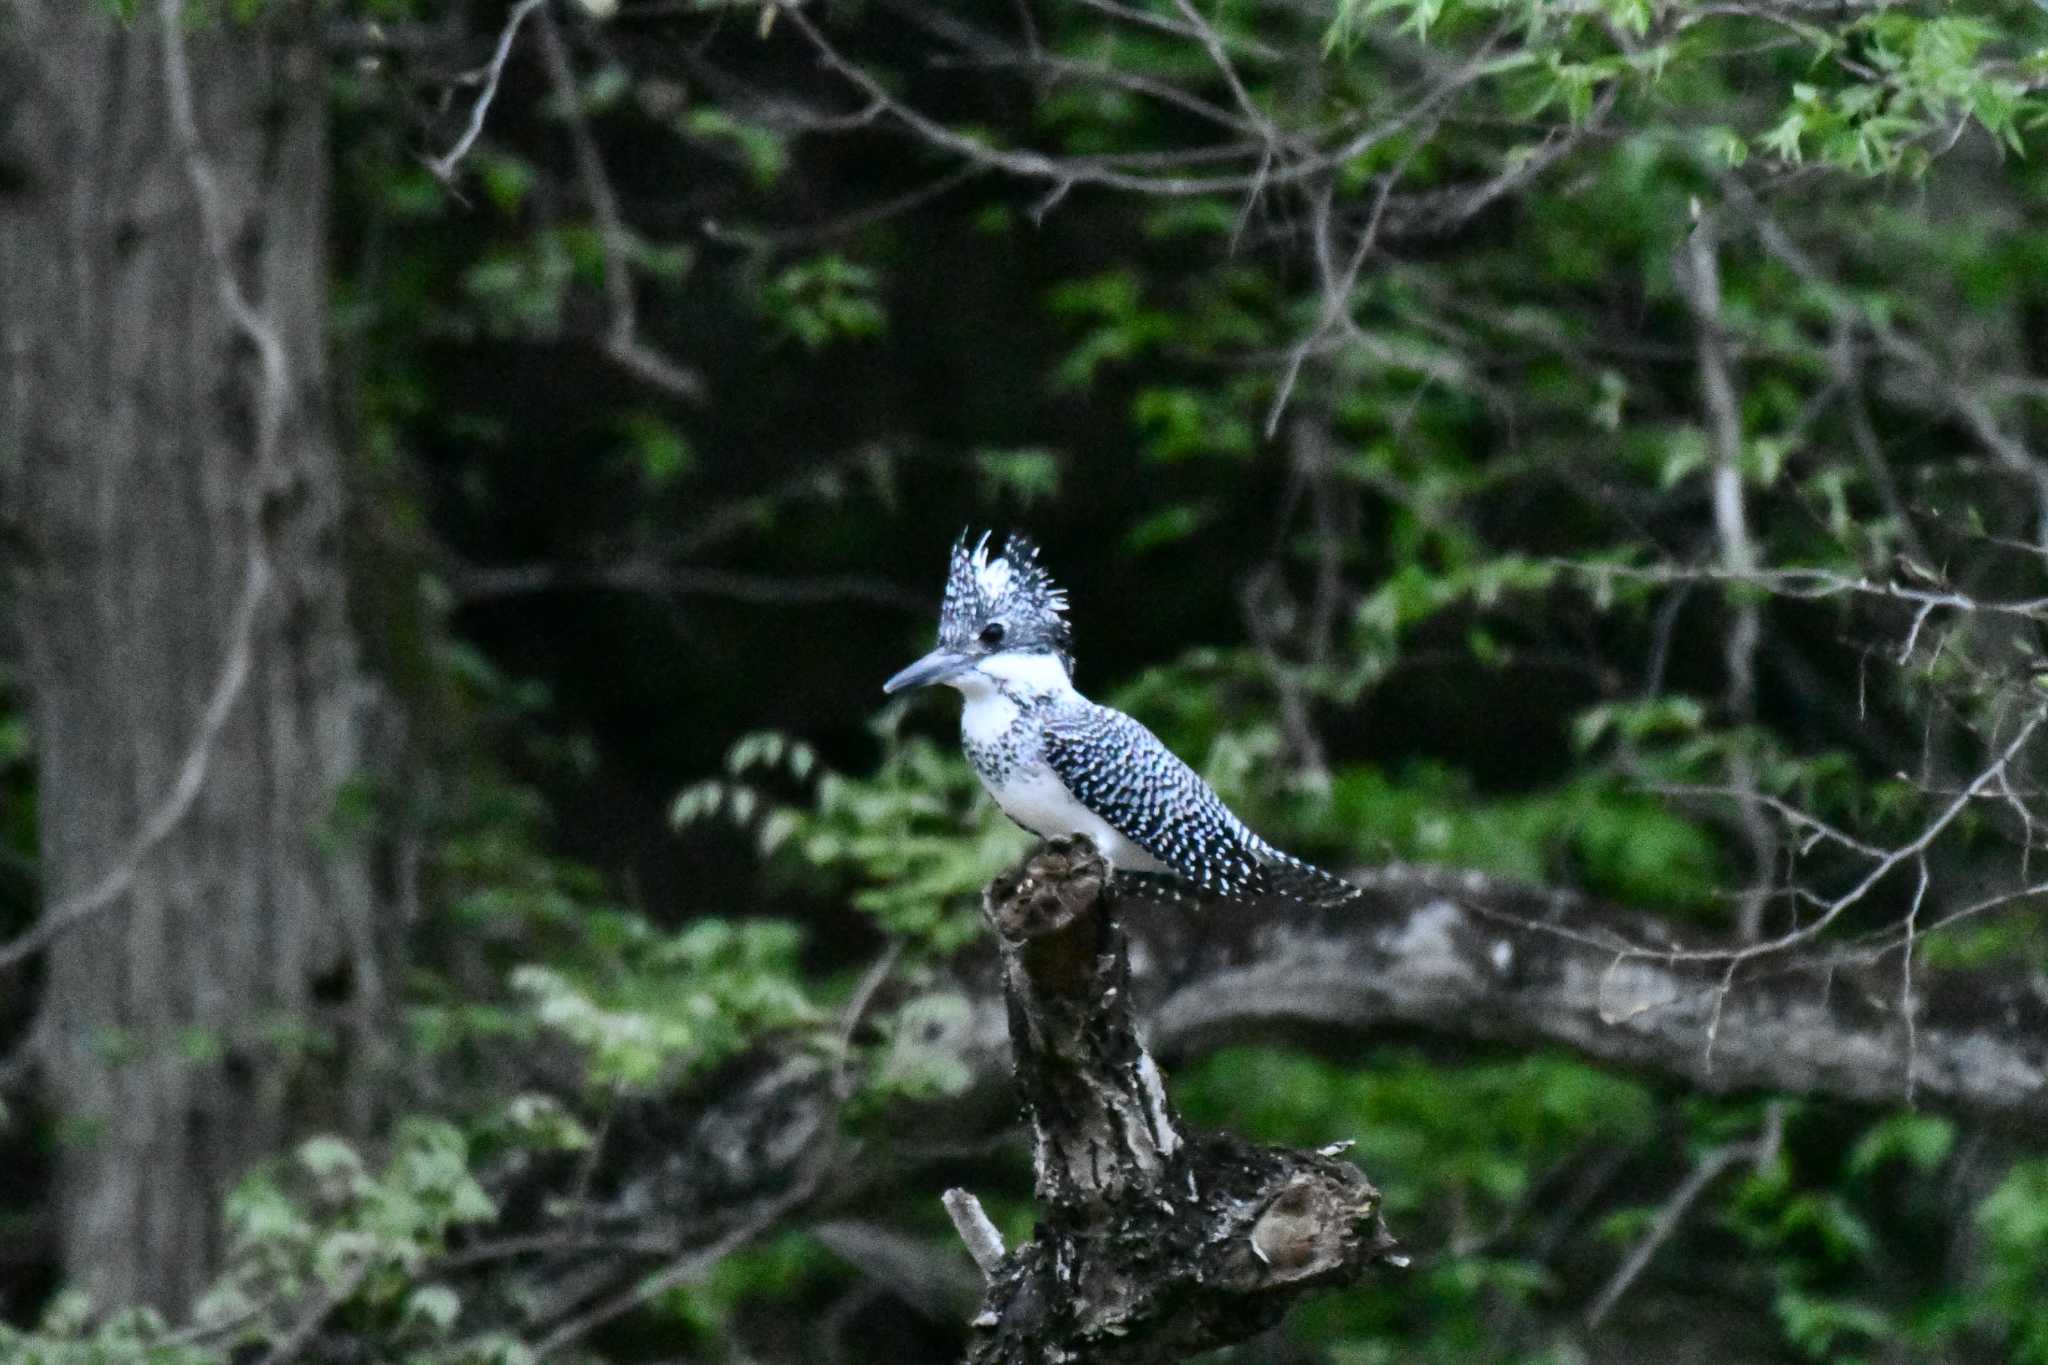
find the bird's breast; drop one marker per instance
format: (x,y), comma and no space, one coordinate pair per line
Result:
(1035,798)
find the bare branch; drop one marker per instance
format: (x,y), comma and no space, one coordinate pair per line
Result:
(1965,400)
(1814,585)
(685,1268)
(988,50)
(1213,45)
(1069,171)
(1160,23)
(1465,957)
(651,576)
(294,1343)
(622,341)
(1910,850)
(1700,276)
(1337,285)
(1755,1152)
(444,166)
(1908,1006)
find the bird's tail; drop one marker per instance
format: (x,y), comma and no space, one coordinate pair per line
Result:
(1281,876)
(1289,878)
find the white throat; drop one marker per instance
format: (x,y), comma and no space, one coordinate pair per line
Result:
(1000,686)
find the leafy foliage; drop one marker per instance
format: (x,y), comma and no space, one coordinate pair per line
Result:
(669,1005)
(915,841)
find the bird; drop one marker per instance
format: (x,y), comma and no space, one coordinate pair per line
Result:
(1059,764)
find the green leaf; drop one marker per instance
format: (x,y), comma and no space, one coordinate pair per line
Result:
(436,1305)
(1029,475)
(1923,1141)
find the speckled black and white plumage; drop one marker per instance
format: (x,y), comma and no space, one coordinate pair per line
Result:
(1059,764)
(1122,771)
(1011,587)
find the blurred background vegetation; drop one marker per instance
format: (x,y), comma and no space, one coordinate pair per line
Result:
(1592,444)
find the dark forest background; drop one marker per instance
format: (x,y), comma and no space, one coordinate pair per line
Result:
(466,470)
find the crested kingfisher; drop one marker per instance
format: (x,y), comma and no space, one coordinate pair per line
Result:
(1058,763)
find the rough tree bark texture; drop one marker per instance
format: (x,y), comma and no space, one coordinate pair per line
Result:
(1466,957)
(1156,1243)
(174,500)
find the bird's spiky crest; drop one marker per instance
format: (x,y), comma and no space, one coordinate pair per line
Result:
(983,585)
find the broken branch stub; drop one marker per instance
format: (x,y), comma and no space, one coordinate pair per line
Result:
(1156,1242)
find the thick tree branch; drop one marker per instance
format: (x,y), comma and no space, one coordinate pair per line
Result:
(1465,957)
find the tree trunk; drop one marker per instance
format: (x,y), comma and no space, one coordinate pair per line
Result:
(198,705)
(1154,1243)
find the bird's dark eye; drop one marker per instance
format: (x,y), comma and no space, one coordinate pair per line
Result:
(992,634)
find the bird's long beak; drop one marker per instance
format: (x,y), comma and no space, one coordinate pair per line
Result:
(936,666)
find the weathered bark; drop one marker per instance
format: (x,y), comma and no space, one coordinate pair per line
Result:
(1155,1243)
(1459,955)
(175,495)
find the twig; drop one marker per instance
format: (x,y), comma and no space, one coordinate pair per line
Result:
(1337,285)
(1757,1151)
(987,50)
(1813,584)
(1082,171)
(1817,828)
(871,983)
(1908,1007)
(846,224)
(616,244)
(683,1269)
(301,1335)
(1160,23)
(1212,43)
(1913,848)
(1964,401)
(444,166)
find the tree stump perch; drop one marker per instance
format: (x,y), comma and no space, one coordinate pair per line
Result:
(1155,1243)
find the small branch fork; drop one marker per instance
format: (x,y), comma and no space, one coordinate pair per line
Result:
(1155,1243)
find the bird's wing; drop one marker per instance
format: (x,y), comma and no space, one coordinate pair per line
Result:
(1121,771)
